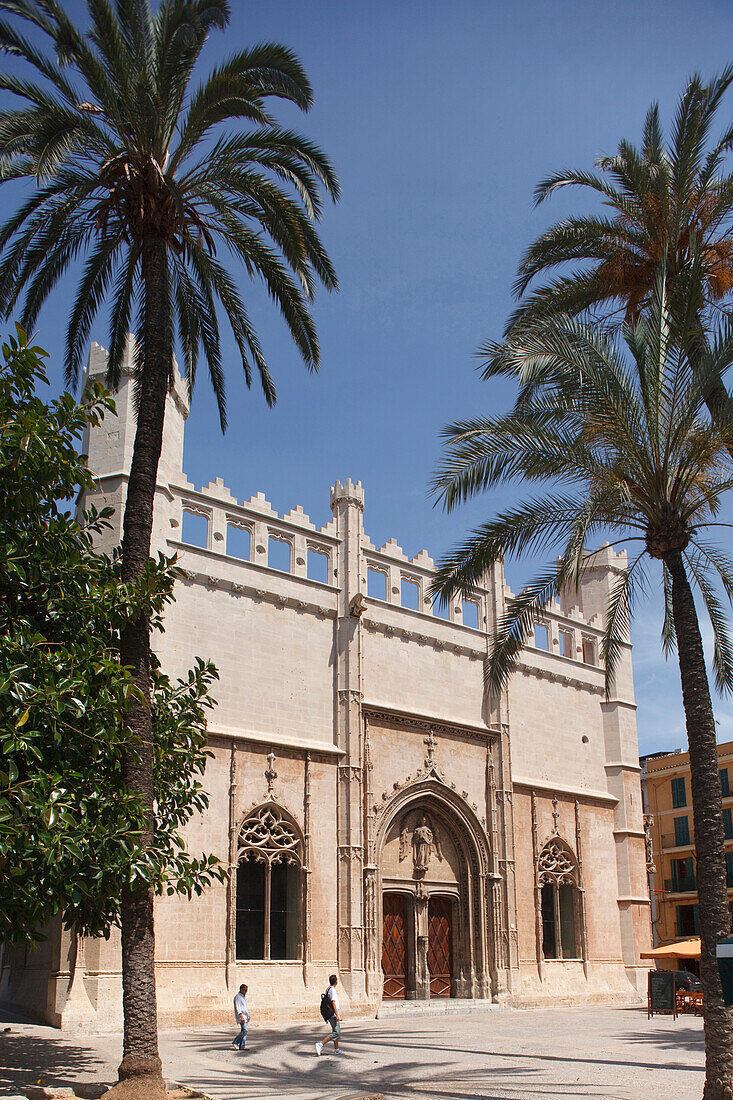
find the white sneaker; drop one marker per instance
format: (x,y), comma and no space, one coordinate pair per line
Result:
(319,1048)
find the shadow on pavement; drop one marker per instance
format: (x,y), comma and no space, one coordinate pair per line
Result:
(24,1059)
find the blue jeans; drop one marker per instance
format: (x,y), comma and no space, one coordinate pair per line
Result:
(241,1039)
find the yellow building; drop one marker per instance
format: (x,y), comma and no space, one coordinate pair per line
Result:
(667,800)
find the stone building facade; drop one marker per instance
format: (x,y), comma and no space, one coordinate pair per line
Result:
(379,814)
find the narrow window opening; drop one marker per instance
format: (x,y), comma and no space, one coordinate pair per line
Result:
(195,530)
(567,644)
(410,594)
(441,610)
(470,614)
(589,651)
(317,566)
(376,584)
(239,542)
(540,637)
(278,554)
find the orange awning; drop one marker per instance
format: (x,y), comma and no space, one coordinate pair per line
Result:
(685,949)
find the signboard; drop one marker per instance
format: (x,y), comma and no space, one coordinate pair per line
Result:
(661,992)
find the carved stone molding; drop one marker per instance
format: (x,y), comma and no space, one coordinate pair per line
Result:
(208,580)
(557,678)
(349,852)
(473,653)
(349,772)
(422,722)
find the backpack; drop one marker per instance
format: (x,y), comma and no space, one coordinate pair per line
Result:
(327,1010)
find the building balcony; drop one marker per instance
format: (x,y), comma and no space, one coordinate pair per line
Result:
(686,885)
(669,840)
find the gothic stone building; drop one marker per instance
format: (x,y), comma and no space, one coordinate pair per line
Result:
(378,814)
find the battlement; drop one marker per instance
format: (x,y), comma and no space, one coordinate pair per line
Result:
(389,584)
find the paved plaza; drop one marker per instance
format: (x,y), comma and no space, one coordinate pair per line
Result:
(503,1055)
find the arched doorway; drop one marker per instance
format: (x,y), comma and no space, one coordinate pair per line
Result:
(434,912)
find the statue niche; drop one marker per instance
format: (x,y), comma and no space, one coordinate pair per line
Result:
(418,833)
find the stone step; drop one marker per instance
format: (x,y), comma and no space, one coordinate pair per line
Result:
(437,1006)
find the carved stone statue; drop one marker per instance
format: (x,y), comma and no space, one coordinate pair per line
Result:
(425,842)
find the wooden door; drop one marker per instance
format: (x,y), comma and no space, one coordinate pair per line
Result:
(440,946)
(394,945)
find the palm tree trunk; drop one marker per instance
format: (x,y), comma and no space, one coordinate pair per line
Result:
(708,820)
(140,1051)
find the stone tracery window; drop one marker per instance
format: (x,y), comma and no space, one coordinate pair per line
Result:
(269,886)
(557,875)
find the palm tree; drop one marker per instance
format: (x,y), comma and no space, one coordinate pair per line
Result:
(674,199)
(131,171)
(627,441)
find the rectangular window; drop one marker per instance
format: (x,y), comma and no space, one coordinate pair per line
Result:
(687,920)
(729,868)
(589,651)
(549,943)
(376,584)
(724,786)
(470,614)
(317,565)
(540,638)
(284,911)
(679,793)
(567,922)
(681,831)
(278,554)
(250,922)
(239,542)
(195,530)
(567,645)
(728,822)
(410,594)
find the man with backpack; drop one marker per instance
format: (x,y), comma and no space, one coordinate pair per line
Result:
(331,1014)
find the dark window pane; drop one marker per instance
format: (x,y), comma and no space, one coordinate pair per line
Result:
(567,922)
(728,823)
(284,911)
(250,920)
(549,937)
(724,785)
(686,920)
(682,831)
(679,794)
(729,867)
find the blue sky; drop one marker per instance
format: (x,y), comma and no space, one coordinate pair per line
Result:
(440,118)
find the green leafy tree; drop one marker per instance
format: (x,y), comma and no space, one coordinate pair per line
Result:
(629,449)
(672,199)
(70,831)
(152,179)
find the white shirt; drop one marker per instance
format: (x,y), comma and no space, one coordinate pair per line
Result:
(333,998)
(240,1008)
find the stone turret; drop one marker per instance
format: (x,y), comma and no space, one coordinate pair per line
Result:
(109,445)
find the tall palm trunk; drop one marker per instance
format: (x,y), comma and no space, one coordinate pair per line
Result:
(708,820)
(140,1053)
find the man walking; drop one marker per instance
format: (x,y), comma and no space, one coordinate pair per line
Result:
(332,1014)
(241,1015)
